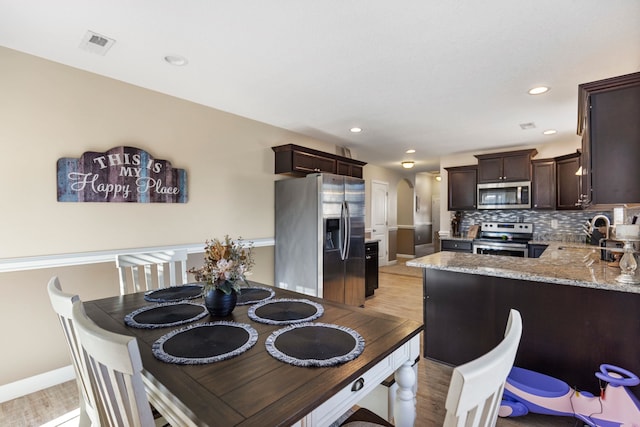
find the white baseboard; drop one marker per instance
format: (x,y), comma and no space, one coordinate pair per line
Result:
(36,383)
(405,256)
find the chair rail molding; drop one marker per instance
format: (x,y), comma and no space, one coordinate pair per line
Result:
(96,257)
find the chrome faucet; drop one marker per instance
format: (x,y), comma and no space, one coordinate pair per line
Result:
(607,222)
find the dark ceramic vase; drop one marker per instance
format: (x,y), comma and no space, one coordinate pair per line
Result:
(218,303)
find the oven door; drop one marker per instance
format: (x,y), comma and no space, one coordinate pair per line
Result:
(504,249)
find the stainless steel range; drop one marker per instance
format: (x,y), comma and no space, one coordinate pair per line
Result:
(503,238)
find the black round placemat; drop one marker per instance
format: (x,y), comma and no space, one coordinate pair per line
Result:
(254,295)
(205,343)
(174,293)
(315,344)
(165,315)
(284,311)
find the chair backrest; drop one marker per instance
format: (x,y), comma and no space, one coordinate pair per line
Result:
(62,304)
(475,391)
(115,368)
(151,262)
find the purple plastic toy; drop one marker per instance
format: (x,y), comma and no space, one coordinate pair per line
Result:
(528,391)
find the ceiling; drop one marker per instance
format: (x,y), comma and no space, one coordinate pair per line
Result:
(441,77)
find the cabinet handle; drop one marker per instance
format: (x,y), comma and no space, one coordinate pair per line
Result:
(357,386)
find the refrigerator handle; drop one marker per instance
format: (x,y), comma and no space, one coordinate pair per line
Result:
(348,223)
(343,231)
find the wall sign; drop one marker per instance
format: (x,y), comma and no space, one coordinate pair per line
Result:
(122,174)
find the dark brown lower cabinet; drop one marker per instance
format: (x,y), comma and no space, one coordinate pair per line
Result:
(536,249)
(370,268)
(568,331)
(456,245)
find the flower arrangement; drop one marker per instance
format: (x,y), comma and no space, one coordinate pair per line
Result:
(225,264)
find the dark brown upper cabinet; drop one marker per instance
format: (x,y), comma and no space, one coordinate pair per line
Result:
(505,167)
(568,181)
(295,160)
(609,123)
(462,188)
(543,184)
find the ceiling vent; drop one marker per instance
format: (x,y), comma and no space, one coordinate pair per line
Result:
(525,126)
(96,43)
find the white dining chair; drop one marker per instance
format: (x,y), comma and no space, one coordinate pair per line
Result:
(114,366)
(475,390)
(62,304)
(153,264)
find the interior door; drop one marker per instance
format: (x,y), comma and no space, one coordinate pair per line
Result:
(379,204)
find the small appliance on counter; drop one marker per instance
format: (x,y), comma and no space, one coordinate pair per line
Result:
(503,238)
(607,255)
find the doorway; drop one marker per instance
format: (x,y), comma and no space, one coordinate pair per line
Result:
(379,215)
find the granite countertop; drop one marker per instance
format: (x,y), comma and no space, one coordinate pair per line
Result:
(571,264)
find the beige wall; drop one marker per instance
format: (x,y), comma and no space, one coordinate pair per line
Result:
(405,203)
(49,111)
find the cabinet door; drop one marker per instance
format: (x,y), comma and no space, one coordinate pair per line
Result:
(462,188)
(349,169)
(456,245)
(544,184)
(504,167)
(516,168)
(568,182)
(490,170)
(305,162)
(615,146)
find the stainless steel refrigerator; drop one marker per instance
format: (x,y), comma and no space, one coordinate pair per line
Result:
(319,234)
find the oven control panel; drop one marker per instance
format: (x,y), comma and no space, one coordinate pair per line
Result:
(508,227)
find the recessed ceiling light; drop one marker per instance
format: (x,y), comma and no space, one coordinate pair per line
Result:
(176,60)
(408,164)
(538,90)
(410,151)
(550,131)
(356,130)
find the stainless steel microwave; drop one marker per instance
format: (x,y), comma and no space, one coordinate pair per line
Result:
(505,195)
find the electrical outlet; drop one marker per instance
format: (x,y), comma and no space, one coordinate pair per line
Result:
(554,223)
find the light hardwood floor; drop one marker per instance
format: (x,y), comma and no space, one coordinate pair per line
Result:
(399,295)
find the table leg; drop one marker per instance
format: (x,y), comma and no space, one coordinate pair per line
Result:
(405,407)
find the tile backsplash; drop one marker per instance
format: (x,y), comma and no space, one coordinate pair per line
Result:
(568,229)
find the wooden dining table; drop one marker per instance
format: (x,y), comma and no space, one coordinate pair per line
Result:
(256,389)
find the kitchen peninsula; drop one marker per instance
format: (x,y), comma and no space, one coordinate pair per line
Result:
(575,315)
